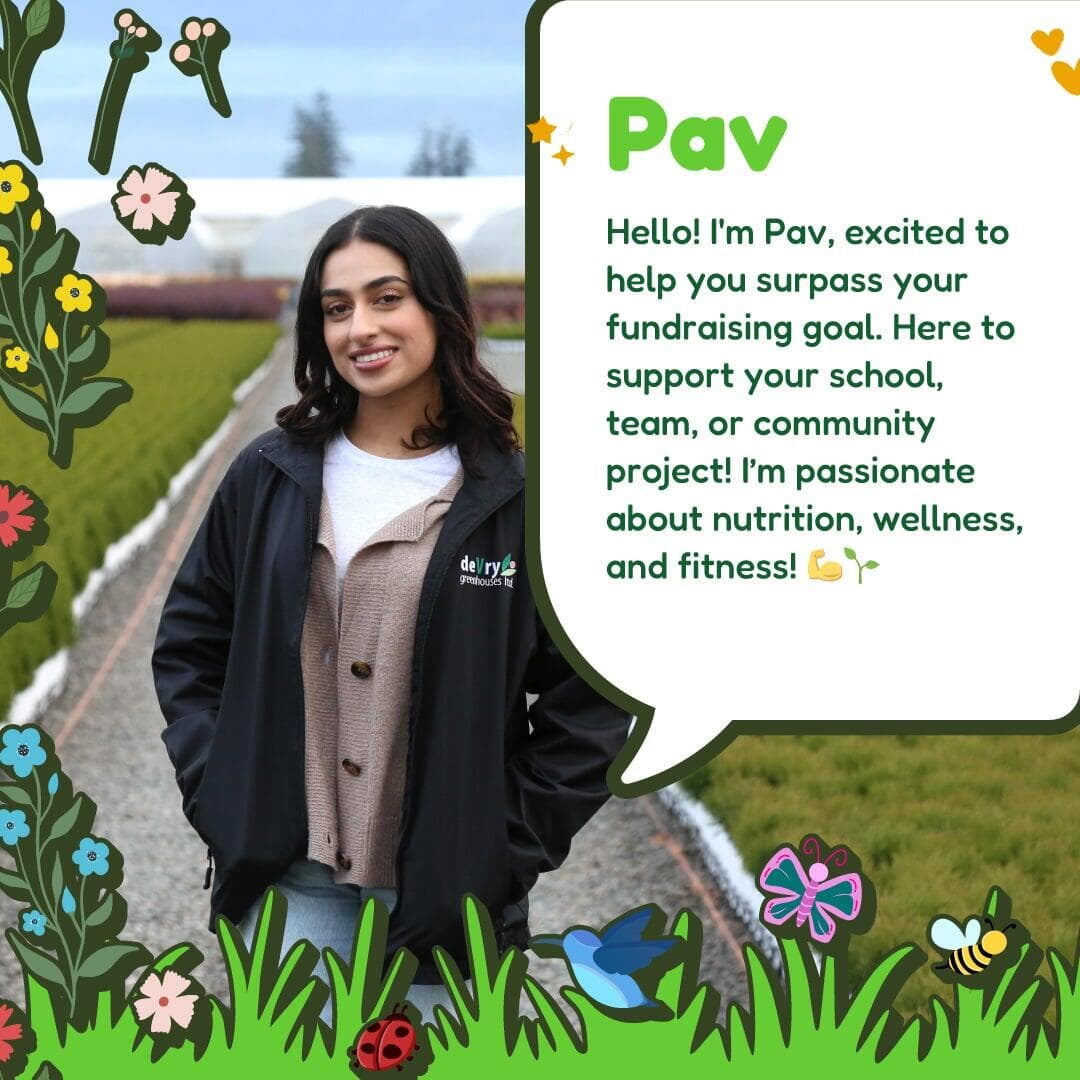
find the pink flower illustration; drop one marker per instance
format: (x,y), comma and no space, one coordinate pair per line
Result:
(12,519)
(147,198)
(166,1002)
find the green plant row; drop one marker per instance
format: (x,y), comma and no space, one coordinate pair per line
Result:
(505,331)
(931,816)
(123,467)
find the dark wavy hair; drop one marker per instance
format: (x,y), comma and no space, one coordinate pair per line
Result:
(475,408)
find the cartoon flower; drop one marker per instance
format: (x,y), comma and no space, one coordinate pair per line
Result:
(18,358)
(51,338)
(22,751)
(12,189)
(9,1033)
(166,1001)
(5,261)
(13,826)
(33,922)
(35,221)
(92,857)
(147,198)
(73,293)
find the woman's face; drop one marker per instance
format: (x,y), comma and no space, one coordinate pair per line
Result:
(381,340)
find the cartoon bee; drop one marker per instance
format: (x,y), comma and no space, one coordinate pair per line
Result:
(970,952)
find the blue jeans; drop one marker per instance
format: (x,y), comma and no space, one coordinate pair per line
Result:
(326,914)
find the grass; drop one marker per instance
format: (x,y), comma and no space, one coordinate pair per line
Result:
(802,1013)
(183,374)
(933,818)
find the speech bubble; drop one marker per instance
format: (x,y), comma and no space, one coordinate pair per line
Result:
(802,325)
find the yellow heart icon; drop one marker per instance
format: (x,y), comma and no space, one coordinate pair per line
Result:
(1067,75)
(1048,43)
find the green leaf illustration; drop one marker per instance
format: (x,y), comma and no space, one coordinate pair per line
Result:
(872,565)
(104,960)
(36,17)
(66,821)
(13,885)
(57,877)
(28,406)
(850,553)
(42,966)
(89,394)
(84,350)
(24,588)
(15,795)
(48,1071)
(39,314)
(47,259)
(102,912)
(505,564)
(6,233)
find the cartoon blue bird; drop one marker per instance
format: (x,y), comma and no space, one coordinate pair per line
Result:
(603,964)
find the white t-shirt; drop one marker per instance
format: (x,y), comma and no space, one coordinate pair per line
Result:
(365,491)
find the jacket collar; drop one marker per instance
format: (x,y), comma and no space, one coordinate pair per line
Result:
(502,475)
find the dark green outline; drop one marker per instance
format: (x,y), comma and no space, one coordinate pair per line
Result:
(17,36)
(158,232)
(124,63)
(642,711)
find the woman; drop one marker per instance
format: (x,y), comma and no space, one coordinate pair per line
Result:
(344,656)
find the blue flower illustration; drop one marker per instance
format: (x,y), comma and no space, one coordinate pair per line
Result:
(13,826)
(22,750)
(92,857)
(33,922)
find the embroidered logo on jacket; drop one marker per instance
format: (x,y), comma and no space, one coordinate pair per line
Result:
(478,570)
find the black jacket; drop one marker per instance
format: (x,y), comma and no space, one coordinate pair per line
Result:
(488,803)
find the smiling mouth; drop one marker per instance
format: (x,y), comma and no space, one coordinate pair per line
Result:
(377,357)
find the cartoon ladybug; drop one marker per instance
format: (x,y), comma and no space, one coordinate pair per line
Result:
(385,1044)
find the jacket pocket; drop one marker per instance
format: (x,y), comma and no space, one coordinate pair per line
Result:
(187,741)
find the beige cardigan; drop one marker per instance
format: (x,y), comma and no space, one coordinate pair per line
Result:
(356,661)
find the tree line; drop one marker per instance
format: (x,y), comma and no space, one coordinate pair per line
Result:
(318,149)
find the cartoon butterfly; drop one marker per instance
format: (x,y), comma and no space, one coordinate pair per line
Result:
(810,894)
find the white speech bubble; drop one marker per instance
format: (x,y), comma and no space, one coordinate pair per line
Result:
(900,115)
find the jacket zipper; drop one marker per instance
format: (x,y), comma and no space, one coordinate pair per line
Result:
(414,711)
(309,530)
(209,868)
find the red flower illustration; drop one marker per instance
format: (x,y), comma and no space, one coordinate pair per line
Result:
(12,519)
(9,1033)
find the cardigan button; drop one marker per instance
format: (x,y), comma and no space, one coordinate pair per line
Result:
(350,767)
(360,669)
(344,862)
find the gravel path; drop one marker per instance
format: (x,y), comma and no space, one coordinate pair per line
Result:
(106,724)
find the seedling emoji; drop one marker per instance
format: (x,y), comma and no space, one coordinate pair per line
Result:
(870,564)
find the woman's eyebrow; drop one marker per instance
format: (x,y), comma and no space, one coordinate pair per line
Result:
(375,283)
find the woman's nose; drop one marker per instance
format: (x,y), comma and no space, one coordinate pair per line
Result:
(363,325)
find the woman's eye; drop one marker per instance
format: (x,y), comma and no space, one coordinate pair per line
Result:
(335,310)
(388,298)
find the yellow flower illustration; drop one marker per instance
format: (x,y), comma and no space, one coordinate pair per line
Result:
(35,221)
(51,340)
(5,261)
(73,293)
(16,358)
(12,189)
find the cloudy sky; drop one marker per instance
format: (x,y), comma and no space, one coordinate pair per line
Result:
(390,68)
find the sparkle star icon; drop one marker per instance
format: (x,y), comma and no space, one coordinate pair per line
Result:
(541,130)
(563,155)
